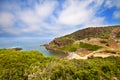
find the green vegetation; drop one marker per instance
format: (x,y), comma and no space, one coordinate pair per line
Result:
(71,47)
(62,41)
(89,46)
(110,51)
(14,65)
(103,42)
(32,65)
(96,32)
(74,47)
(118,35)
(66,43)
(88,33)
(105,36)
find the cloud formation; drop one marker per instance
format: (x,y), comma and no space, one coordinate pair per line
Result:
(80,12)
(53,18)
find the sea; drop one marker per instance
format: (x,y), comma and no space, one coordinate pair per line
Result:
(28,44)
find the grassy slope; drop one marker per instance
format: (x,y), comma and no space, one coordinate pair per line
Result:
(74,47)
(24,65)
(96,32)
(93,32)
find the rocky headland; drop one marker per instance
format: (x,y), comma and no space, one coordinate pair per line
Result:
(90,42)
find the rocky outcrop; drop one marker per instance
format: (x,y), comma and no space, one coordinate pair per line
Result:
(60,42)
(48,47)
(16,49)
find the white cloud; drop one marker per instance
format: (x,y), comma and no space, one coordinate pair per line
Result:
(108,3)
(73,13)
(29,17)
(96,22)
(112,3)
(46,17)
(6,23)
(79,12)
(6,19)
(34,18)
(116,14)
(45,9)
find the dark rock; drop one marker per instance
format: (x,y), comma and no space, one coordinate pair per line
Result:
(16,49)
(48,47)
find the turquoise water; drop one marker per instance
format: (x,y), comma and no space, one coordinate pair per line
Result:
(28,44)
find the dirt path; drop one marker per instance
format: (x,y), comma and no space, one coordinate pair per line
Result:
(73,55)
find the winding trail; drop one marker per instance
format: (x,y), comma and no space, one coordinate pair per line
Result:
(73,55)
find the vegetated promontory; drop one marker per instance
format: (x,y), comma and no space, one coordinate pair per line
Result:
(89,42)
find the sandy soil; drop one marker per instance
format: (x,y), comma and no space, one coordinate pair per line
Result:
(73,55)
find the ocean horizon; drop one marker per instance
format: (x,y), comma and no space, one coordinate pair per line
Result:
(29,44)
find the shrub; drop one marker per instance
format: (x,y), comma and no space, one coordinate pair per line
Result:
(110,51)
(103,41)
(89,46)
(31,65)
(74,47)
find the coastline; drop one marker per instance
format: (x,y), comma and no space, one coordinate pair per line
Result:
(69,55)
(74,55)
(55,50)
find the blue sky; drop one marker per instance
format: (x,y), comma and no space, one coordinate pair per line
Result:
(54,18)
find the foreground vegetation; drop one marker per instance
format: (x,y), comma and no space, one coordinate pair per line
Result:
(32,65)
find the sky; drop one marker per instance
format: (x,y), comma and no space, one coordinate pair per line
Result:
(54,18)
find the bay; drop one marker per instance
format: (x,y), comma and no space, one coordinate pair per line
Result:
(29,44)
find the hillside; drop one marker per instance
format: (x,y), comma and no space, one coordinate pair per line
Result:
(32,65)
(87,41)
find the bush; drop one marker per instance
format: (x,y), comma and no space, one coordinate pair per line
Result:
(110,51)
(31,65)
(103,41)
(89,46)
(74,47)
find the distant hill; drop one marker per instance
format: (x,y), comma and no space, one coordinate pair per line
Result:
(91,32)
(102,32)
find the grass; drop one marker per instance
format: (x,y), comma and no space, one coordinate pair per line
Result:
(118,36)
(74,47)
(110,51)
(71,47)
(103,42)
(105,36)
(89,46)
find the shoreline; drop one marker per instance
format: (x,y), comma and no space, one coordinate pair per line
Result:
(69,55)
(55,50)
(73,55)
